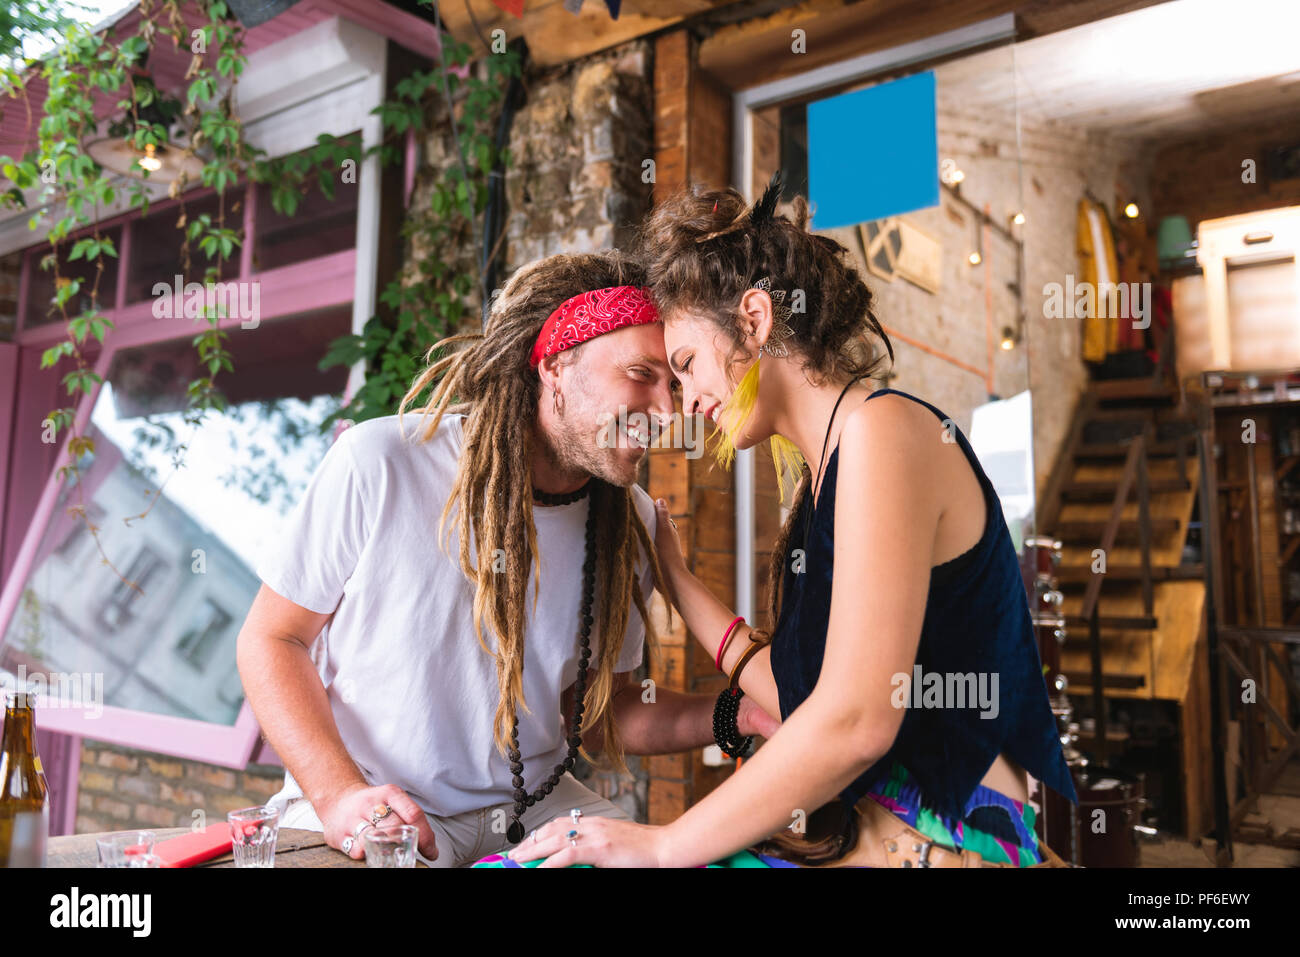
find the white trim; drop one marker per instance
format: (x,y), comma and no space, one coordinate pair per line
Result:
(984,33)
(743,103)
(325,79)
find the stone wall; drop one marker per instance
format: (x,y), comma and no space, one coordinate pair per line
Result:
(577,148)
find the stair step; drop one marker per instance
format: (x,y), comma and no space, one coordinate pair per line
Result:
(1077,680)
(1112,425)
(1119,450)
(1142,388)
(1105,491)
(1082,574)
(1114,621)
(1091,531)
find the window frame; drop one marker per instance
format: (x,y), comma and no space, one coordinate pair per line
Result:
(326,282)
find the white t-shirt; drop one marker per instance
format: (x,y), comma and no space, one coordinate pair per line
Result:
(412,691)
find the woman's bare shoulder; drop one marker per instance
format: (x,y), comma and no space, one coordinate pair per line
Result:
(890,423)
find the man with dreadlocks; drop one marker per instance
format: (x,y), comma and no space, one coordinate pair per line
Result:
(418,652)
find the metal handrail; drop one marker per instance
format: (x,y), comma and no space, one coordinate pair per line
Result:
(1135,473)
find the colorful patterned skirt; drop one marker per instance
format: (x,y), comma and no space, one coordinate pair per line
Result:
(999,828)
(993,825)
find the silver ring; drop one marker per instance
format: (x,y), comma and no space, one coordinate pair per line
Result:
(534,835)
(348,842)
(574,814)
(573,837)
(361,826)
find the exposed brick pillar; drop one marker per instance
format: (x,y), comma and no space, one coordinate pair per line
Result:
(692,143)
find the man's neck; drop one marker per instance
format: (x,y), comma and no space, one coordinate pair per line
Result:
(549,474)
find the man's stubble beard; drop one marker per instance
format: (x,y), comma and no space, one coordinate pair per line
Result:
(576,448)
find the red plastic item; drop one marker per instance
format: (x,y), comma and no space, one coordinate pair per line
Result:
(186,850)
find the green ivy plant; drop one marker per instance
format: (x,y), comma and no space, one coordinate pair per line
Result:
(431,298)
(418,308)
(77,189)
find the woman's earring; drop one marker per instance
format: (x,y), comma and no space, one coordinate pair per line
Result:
(781,330)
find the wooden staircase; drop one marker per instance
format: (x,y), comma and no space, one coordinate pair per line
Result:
(1149,631)
(1120,500)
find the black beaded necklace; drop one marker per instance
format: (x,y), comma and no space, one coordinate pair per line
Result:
(562,498)
(524,800)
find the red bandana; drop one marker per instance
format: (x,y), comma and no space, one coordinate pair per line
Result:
(590,314)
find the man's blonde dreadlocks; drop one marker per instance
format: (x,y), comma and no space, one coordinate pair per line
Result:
(495,387)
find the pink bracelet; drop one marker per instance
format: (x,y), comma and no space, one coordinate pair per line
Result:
(727,637)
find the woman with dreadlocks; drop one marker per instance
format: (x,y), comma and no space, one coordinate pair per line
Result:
(482,580)
(894,570)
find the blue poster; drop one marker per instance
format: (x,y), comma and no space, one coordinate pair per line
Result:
(873,153)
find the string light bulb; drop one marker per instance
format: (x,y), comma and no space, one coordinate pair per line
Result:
(1018,219)
(1131,210)
(149,160)
(974,259)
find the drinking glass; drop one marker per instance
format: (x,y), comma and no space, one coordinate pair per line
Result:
(122,850)
(253,831)
(392,846)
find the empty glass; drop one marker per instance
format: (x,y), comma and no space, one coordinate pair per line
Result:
(253,831)
(392,846)
(124,849)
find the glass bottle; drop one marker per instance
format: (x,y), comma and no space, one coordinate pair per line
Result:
(24,796)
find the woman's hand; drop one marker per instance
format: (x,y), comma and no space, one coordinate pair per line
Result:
(669,547)
(600,841)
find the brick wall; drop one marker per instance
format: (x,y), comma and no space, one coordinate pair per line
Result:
(121,788)
(1045,176)
(1201,178)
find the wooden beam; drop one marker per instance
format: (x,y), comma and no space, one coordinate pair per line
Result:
(760,50)
(1038,17)
(556,36)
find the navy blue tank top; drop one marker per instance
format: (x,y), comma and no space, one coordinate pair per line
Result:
(977,623)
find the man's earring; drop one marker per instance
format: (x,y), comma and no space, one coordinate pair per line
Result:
(555,401)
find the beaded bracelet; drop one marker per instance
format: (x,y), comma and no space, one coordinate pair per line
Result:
(726,733)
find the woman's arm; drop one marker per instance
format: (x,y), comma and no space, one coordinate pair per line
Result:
(886,515)
(707,618)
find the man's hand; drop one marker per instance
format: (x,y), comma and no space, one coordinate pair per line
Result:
(751,719)
(343,813)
